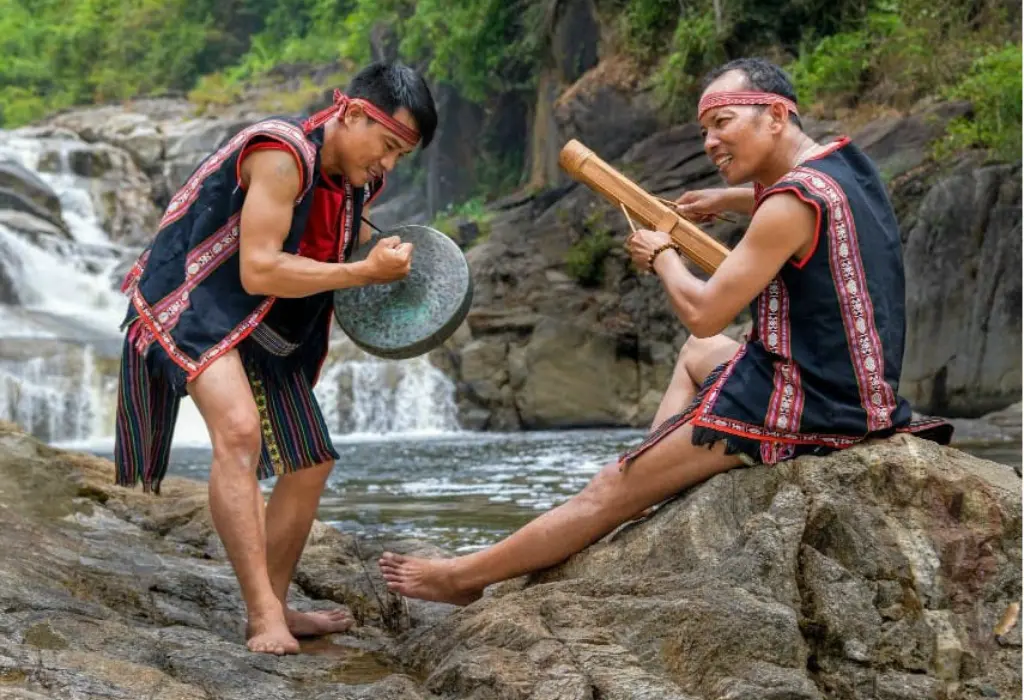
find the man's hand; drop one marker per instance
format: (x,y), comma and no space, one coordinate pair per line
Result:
(642,243)
(389,260)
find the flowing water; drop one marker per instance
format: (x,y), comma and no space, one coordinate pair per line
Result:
(406,470)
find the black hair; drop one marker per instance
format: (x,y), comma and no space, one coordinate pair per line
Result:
(761,75)
(391,86)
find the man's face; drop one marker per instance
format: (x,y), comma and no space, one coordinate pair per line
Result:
(737,138)
(366,149)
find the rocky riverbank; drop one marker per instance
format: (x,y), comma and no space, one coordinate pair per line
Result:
(889,571)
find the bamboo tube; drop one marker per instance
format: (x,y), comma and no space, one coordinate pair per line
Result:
(586,167)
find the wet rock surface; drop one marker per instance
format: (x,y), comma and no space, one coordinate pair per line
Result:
(885,571)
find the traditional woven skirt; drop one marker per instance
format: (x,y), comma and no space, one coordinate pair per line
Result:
(295,435)
(751,450)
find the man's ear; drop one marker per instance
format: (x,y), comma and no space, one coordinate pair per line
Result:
(779,114)
(354,113)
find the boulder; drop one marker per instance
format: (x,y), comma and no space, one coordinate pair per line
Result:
(103,184)
(137,128)
(963,262)
(14,201)
(890,570)
(28,186)
(882,571)
(573,378)
(109,592)
(606,109)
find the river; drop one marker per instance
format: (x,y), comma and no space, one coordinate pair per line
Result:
(461,491)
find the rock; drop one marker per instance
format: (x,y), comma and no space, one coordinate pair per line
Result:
(109,592)
(137,128)
(575,39)
(408,206)
(483,367)
(743,588)
(117,194)
(27,184)
(31,226)
(899,143)
(998,427)
(605,110)
(963,257)
(575,379)
(877,572)
(466,232)
(13,200)
(451,162)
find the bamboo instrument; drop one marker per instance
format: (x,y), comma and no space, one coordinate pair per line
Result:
(585,166)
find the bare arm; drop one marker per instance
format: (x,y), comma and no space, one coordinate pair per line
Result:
(782,228)
(701,205)
(740,200)
(273,184)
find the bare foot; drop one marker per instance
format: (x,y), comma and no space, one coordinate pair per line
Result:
(317,624)
(269,635)
(427,579)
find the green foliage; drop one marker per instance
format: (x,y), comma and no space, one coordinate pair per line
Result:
(473,209)
(55,53)
(644,24)
(896,53)
(993,86)
(695,48)
(584,261)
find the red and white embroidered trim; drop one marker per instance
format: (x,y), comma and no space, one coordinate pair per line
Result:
(187,194)
(714,100)
(787,401)
(705,418)
(877,396)
(201,261)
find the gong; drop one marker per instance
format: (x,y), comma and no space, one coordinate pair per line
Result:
(414,315)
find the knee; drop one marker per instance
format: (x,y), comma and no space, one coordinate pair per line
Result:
(699,355)
(237,433)
(695,348)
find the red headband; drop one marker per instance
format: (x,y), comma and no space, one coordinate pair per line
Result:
(341,104)
(714,100)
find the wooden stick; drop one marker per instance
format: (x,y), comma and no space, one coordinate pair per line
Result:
(674,204)
(628,219)
(584,166)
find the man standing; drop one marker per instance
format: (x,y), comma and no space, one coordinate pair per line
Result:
(232,303)
(821,267)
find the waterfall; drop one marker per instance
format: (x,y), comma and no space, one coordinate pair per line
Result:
(365,395)
(60,341)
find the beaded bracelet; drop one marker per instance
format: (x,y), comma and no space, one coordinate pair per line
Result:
(661,249)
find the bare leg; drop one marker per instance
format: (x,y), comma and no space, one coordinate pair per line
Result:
(290,514)
(611,498)
(224,398)
(698,357)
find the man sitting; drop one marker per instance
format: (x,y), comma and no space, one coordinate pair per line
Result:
(821,266)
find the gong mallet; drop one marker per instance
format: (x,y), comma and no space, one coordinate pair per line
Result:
(584,166)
